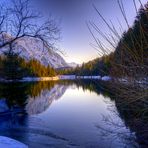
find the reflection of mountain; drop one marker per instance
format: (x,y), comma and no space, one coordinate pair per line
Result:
(40,94)
(37,105)
(39,97)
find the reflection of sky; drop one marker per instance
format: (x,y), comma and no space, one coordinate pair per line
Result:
(75,35)
(72,114)
(76,116)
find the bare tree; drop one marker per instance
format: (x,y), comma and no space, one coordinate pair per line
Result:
(21,20)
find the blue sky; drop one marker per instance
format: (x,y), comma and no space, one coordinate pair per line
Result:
(75,37)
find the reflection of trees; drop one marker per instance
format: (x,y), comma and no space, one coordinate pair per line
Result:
(16,94)
(111,128)
(132,107)
(91,85)
(16,125)
(40,95)
(135,116)
(35,97)
(117,131)
(36,88)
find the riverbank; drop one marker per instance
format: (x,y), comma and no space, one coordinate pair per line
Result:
(57,78)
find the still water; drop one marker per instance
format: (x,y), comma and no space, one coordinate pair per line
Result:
(62,115)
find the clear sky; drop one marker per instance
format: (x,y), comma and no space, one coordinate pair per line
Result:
(75,37)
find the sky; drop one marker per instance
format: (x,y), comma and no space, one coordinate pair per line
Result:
(73,15)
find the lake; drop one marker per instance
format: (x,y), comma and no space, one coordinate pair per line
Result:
(64,114)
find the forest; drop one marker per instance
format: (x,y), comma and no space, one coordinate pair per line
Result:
(13,67)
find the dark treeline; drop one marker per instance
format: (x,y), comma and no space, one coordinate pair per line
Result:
(100,66)
(14,67)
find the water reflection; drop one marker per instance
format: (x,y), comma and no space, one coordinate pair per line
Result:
(35,98)
(65,114)
(38,104)
(25,95)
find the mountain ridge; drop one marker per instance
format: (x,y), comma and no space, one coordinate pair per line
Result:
(32,48)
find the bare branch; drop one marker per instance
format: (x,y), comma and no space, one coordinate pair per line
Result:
(23,21)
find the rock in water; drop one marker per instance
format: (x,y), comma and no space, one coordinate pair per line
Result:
(3,106)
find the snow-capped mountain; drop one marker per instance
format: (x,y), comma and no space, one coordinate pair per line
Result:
(31,48)
(73,64)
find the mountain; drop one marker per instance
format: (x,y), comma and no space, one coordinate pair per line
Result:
(73,65)
(32,48)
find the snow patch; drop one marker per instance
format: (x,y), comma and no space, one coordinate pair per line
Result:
(36,79)
(106,78)
(6,142)
(67,77)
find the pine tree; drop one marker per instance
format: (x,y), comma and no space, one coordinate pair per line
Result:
(11,67)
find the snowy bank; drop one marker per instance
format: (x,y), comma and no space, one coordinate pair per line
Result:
(141,82)
(66,77)
(56,78)
(106,78)
(89,77)
(32,79)
(6,142)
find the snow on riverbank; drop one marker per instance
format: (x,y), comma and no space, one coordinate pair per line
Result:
(141,82)
(106,78)
(28,79)
(6,142)
(73,77)
(56,78)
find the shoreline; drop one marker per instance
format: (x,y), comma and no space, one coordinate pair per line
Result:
(57,78)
